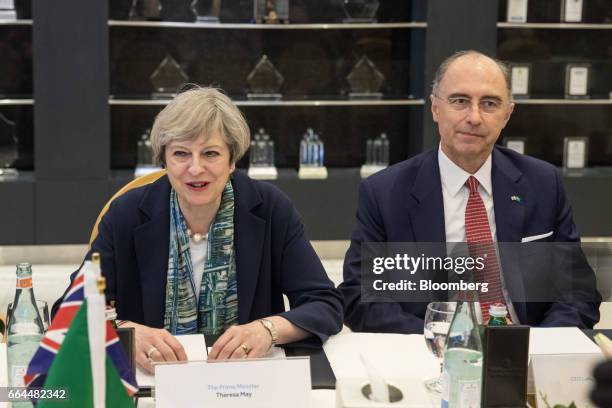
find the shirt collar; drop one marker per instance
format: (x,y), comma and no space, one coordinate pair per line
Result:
(454,177)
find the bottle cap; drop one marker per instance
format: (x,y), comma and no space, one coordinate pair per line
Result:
(498,310)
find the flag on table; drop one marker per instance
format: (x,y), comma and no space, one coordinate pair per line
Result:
(63,345)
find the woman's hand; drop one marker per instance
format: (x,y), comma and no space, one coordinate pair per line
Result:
(247,340)
(154,345)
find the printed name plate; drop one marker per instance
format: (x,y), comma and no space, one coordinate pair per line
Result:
(256,383)
(563,379)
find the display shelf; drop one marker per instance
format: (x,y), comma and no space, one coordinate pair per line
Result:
(15,22)
(381,102)
(12,102)
(239,26)
(556,26)
(563,101)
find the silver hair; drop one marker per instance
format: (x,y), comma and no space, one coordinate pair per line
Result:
(200,111)
(503,67)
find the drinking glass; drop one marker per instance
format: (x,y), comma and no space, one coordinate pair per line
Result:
(437,322)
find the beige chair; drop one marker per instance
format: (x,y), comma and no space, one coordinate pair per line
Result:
(140,181)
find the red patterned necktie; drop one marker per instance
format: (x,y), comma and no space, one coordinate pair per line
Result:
(480,244)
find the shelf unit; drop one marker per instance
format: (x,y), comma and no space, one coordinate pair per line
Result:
(74,173)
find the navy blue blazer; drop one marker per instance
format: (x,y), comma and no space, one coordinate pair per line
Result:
(273,257)
(404,203)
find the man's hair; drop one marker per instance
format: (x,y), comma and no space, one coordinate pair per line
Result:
(503,67)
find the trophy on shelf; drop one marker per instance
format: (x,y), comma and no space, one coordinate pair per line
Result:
(365,80)
(359,11)
(271,11)
(261,157)
(206,11)
(167,78)
(145,163)
(312,153)
(8,148)
(7,10)
(265,81)
(145,10)
(377,155)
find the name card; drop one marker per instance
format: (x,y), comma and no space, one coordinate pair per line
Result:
(577,81)
(572,11)
(564,379)
(516,143)
(256,383)
(520,80)
(516,11)
(575,152)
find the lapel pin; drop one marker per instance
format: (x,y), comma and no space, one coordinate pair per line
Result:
(515,198)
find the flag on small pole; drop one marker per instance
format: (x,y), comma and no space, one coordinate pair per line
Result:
(81,352)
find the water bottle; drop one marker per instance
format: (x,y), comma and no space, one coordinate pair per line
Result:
(498,313)
(462,375)
(24,330)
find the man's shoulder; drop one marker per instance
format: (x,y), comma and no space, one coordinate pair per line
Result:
(406,171)
(529,166)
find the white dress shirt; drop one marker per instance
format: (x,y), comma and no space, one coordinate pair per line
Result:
(199,255)
(455,195)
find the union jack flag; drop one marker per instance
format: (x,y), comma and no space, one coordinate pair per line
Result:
(52,341)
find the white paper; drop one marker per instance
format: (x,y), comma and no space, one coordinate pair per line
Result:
(256,383)
(516,145)
(572,380)
(195,348)
(517,11)
(578,81)
(573,11)
(7,4)
(560,340)
(520,80)
(576,150)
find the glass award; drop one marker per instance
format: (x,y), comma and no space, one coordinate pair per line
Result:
(167,78)
(359,11)
(377,155)
(265,81)
(575,152)
(145,163)
(516,143)
(261,157)
(571,11)
(577,81)
(145,10)
(206,11)
(7,10)
(8,148)
(312,153)
(271,11)
(520,80)
(516,11)
(365,80)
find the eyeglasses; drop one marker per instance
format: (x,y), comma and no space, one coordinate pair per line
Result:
(461,103)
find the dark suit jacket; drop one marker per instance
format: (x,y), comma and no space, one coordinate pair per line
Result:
(273,257)
(404,203)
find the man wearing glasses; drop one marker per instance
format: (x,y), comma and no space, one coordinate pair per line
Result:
(467,190)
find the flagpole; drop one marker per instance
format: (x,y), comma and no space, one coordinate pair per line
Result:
(96,323)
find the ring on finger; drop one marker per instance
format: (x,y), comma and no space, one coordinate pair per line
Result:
(245,348)
(150,352)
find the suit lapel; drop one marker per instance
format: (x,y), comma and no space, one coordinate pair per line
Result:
(425,202)
(249,234)
(508,198)
(151,243)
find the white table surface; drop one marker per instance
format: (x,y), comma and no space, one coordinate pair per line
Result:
(396,355)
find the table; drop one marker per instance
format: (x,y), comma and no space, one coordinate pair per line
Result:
(399,356)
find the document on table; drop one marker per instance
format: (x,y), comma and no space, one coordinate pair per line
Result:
(560,340)
(195,348)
